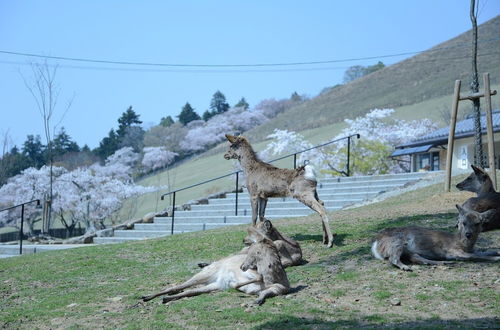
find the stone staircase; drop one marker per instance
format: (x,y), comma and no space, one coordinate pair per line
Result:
(336,193)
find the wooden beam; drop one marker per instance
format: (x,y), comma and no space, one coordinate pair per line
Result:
(489,128)
(451,136)
(474,96)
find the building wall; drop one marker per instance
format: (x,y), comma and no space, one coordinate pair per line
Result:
(463,152)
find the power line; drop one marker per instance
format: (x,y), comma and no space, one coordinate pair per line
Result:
(232,70)
(184,65)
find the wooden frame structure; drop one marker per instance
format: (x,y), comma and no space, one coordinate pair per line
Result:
(489,128)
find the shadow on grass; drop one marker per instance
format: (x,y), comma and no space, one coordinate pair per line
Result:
(338,239)
(442,221)
(377,321)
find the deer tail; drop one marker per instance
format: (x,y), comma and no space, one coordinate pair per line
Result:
(375,251)
(310,173)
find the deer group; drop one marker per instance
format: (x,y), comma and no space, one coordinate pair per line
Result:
(259,267)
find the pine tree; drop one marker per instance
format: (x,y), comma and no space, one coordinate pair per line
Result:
(166,121)
(62,144)
(218,103)
(207,115)
(127,119)
(242,104)
(34,150)
(187,114)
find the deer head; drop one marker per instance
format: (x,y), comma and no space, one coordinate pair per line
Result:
(476,182)
(469,225)
(234,148)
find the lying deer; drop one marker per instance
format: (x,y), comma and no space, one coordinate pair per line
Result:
(433,247)
(487,198)
(289,250)
(264,180)
(263,275)
(263,257)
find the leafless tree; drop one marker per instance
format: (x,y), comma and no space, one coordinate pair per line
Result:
(474,85)
(42,86)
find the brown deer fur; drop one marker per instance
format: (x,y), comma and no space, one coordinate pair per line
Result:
(487,198)
(433,247)
(264,180)
(227,273)
(289,250)
(263,256)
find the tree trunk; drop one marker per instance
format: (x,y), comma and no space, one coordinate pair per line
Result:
(474,85)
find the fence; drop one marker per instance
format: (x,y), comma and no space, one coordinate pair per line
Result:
(236,173)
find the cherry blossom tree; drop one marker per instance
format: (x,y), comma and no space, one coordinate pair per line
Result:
(212,132)
(156,157)
(379,133)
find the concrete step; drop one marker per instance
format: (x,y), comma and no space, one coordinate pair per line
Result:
(383,177)
(331,199)
(180,227)
(109,240)
(335,193)
(13,250)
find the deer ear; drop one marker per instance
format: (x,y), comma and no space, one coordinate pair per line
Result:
(460,209)
(231,138)
(268,225)
(487,215)
(477,170)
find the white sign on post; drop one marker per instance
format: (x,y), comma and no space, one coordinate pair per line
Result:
(462,160)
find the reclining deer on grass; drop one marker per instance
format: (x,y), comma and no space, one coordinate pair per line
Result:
(264,180)
(288,249)
(434,247)
(257,272)
(487,198)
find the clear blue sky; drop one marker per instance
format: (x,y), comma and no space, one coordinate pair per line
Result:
(201,32)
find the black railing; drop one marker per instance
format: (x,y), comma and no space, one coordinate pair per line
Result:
(347,172)
(21,234)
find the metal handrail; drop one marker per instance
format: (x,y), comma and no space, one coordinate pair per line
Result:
(21,234)
(271,161)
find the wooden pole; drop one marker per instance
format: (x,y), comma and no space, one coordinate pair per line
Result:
(489,127)
(451,136)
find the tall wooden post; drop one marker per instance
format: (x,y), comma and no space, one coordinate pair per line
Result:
(489,127)
(451,136)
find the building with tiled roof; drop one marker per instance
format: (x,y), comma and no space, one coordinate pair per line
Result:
(428,152)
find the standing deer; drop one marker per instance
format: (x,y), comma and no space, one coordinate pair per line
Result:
(263,275)
(487,198)
(264,180)
(433,247)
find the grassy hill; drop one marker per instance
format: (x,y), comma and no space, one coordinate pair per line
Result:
(420,78)
(100,286)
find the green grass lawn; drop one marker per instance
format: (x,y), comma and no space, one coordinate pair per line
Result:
(100,286)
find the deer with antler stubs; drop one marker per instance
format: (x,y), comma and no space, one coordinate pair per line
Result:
(487,198)
(264,180)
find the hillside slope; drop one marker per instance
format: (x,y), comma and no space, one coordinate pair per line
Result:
(342,287)
(422,77)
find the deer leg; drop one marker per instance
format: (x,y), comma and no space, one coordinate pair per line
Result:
(418,259)
(395,252)
(271,291)
(262,208)
(200,278)
(254,202)
(487,253)
(462,255)
(310,201)
(286,259)
(317,197)
(193,292)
